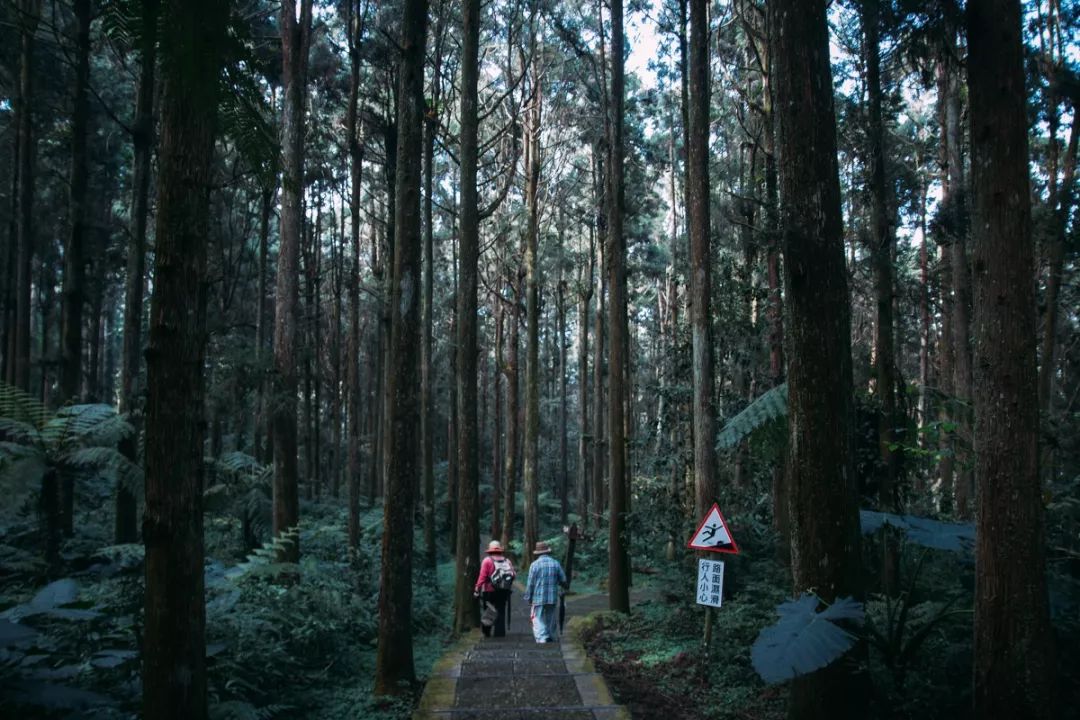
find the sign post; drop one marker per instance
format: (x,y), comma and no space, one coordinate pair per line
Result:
(712,535)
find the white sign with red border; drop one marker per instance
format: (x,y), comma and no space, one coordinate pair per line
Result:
(713,534)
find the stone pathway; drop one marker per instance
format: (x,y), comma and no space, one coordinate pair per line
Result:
(514,678)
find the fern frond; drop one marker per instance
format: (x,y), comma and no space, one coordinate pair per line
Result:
(243,117)
(22,407)
(109,432)
(74,422)
(262,560)
(105,459)
(19,432)
(122,23)
(767,407)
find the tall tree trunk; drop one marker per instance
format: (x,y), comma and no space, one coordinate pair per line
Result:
(467,612)
(174,647)
(697,218)
(74,292)
(1014,663)
(427,410)
(356,171)
(698,227)
(1056,264)
(600,196)
(334,467)
(9,277)
(306,349)
(295,41)
(512,425)
(775,312)
(961,298)
(394,660)
(126,523)
(823,501)
(532,315)
(619,480)
(882,243)
(497,424)
(262,445)
(19,363)
(389,238)
(74,288)
(564,480)
(946,351)
(376,374)
(924,311)
(583,391)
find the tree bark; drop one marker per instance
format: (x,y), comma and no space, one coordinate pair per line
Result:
(394,659)
(74,291)
(427,411)
(697,217)
(564,480)
(821,480)
(356,172)
(497,422)
(1014,663)
(126,524)
(882,245)
(619,479)
(295,42)
(512,426)
(532,315)
(600,195)
(583,391)
(174,645)
(961,299)
(467,561)
(263,448)
(19,364)
(1056,263)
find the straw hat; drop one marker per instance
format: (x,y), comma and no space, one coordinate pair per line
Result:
(542,548)
(494,547)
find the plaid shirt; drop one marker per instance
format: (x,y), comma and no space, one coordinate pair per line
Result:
(545,576)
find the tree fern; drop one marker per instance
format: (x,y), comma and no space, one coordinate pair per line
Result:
(767,407)
(77,438)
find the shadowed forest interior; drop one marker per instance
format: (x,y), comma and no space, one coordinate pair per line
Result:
(302,303)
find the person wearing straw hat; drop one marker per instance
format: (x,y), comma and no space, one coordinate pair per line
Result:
(493,587)
(542,592)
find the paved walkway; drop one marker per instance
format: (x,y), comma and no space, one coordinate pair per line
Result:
(514,678)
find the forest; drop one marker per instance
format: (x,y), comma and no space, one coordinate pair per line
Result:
(304,303)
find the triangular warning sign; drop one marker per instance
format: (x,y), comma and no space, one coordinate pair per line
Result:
(713,534)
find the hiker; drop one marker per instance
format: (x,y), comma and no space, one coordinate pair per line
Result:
(493,587)
(542,592)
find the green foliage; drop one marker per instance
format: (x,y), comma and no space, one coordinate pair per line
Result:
(79,440)
(655,661)
(771,405)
